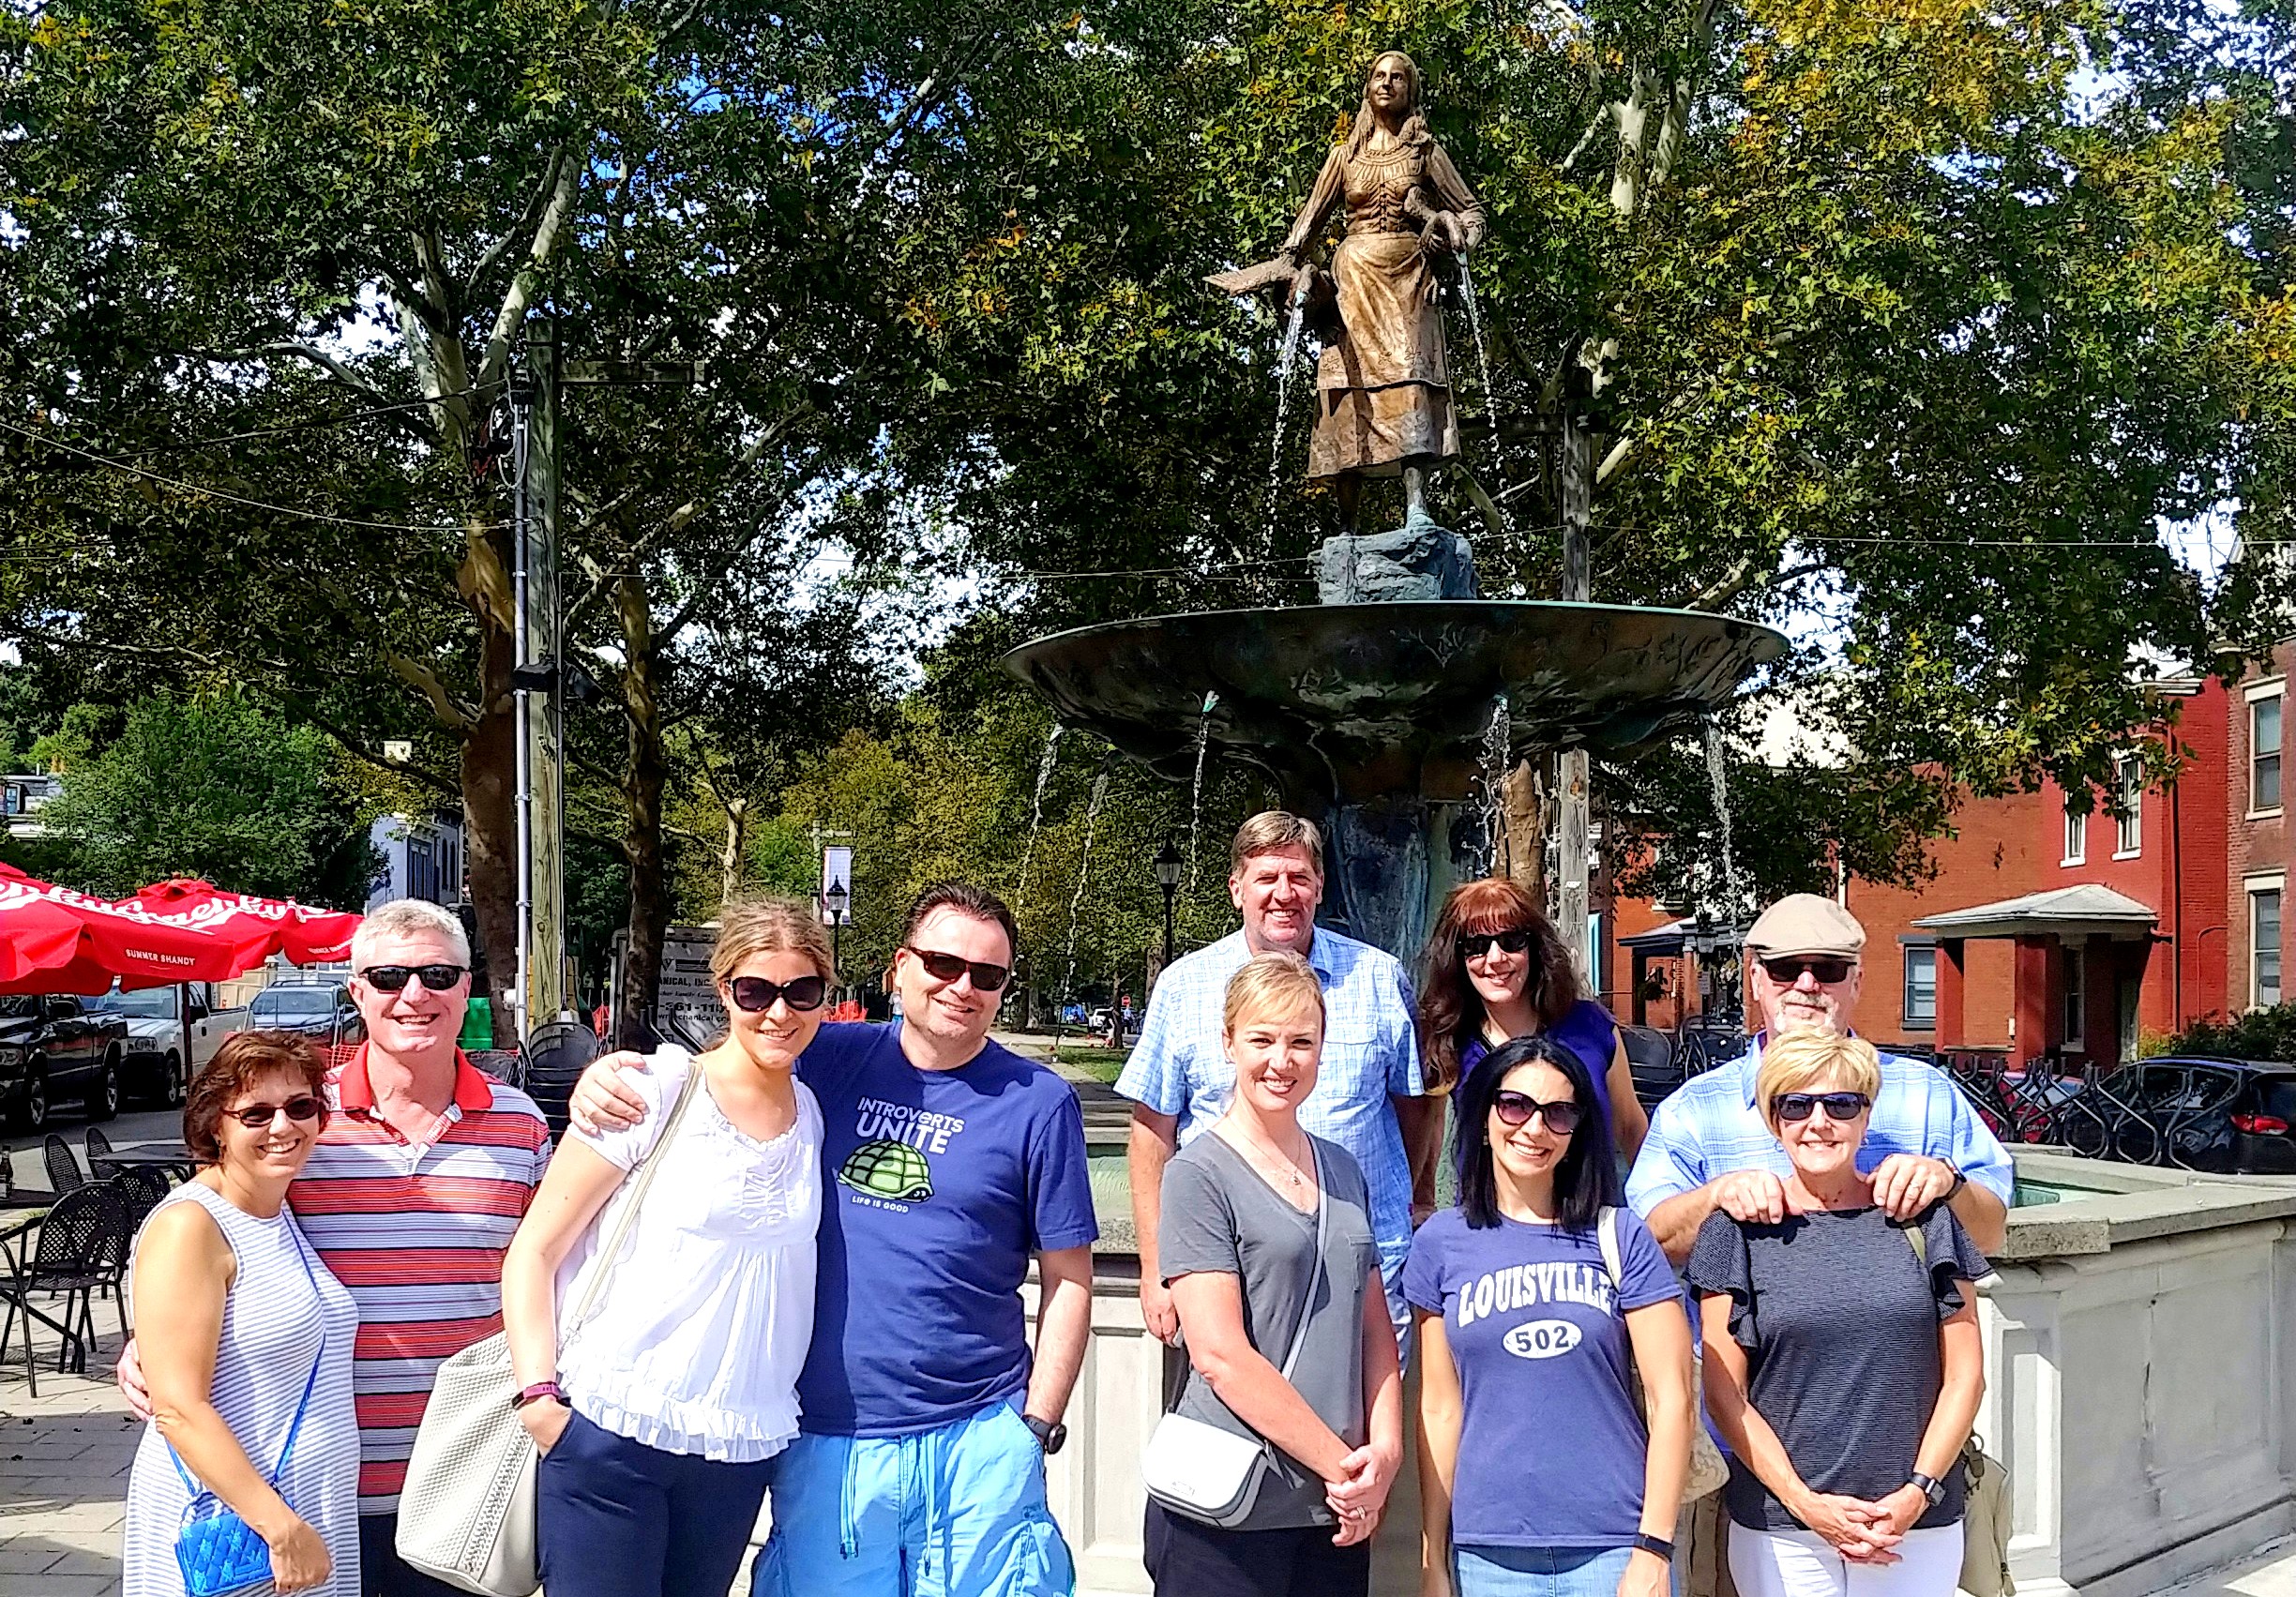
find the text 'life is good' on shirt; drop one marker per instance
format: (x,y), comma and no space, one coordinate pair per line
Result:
(416,1230)
(942,1183)
(1533,1324)
(1839,1319)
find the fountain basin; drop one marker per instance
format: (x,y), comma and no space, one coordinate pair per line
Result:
(1361,702)
(1375,718)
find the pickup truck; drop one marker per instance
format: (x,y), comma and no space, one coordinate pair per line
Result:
(54,1046)
(172,1032)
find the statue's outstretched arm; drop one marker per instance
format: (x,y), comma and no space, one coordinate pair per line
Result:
(1456,198)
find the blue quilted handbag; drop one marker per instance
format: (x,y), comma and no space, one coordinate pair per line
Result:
(219,1552)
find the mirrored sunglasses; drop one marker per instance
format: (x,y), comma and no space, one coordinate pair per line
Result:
(392,978)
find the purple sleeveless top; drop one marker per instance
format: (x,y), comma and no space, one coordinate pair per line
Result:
(1587,1031)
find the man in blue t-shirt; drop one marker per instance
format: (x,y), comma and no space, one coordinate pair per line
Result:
(919,1472)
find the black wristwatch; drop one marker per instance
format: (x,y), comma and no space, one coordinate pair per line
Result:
(1051,1435)
(1646,1543)
(1960,1181)
(1929,1486)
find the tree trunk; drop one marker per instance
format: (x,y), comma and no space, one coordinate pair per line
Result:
(490,770)
(729,862)
(645,775)
(1523,820)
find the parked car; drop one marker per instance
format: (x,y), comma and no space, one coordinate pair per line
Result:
(318,1009)
(172,1032)
(52,1047)
(2228,1116)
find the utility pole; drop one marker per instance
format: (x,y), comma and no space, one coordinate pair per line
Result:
(545,989)
(1577,587)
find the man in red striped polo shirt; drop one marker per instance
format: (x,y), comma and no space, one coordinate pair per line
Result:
(423,1171)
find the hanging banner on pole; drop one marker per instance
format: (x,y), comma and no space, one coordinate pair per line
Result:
(836,901)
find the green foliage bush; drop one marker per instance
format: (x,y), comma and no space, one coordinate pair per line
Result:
(2260,1033)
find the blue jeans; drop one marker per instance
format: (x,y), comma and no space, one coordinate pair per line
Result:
(617,1518)
(955,1512)
(1539,1571)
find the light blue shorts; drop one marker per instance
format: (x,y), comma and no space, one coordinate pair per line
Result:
(957,1512)
(1539,1571)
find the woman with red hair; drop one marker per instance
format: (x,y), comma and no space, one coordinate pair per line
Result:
(1495,971)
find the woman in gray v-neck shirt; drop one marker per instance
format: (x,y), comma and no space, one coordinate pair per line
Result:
(1843,1362)
(1239,1247)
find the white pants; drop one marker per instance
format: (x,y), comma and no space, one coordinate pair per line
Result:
(1800,1563)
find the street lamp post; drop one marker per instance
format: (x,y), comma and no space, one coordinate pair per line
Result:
(1169,866)
(836,899)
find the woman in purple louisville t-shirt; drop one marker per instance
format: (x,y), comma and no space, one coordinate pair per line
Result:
(1536,1474)
(1494,970)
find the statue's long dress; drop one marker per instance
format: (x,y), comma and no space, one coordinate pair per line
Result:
(1383,386)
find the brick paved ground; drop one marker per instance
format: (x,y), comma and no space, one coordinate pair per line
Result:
(64,1459)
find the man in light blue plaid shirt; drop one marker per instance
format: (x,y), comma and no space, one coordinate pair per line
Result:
(1180,1080)
(1708,1147)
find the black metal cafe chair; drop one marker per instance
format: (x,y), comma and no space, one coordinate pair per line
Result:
(62,1169)
(77,1247)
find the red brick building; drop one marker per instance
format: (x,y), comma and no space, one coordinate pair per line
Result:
(2050,930)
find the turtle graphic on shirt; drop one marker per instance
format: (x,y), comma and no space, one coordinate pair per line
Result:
(887,1169)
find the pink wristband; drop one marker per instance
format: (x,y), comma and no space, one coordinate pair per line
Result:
(539,1390)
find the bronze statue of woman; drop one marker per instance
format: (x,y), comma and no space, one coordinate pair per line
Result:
(1384,401)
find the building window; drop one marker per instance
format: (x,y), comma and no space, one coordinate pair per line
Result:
(2075,994)
(2128,772)
(2264,752)
(1920,986)
(2077,836)
(2263,946)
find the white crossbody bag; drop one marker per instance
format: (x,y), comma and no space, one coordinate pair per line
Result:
(1211,1474)
(466,1514)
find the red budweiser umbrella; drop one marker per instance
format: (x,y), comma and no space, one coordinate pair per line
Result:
(305,935)
(53,940)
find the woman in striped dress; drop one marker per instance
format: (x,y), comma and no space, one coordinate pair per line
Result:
(246,1338)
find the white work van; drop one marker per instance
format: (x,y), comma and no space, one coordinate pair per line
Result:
(171,1033)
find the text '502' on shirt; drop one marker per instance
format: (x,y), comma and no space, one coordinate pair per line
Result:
(416,1230)
(1535,1328)
(939,1184)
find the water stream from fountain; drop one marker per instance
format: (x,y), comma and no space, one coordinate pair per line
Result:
(1076,904)
(1718,777)
(1497,738)
(1044,776)
(1283,406)
(1203,745)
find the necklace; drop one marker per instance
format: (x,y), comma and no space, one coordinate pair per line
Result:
(1289,1171)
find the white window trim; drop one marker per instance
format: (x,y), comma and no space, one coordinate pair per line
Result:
(2076,1014)
(2250,886)
(2135,811)
(2253,694)
(2072,858)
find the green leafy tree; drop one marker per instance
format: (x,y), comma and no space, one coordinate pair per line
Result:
(213,787)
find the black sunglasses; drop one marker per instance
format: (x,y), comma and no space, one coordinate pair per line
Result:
(1514,1108)
(1475,944)
(1828,969)
(1839,1105)
(257,1116)
(392,978)
(947,967)
(754,995)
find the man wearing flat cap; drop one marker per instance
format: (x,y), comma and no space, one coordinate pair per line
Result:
(1709,1148)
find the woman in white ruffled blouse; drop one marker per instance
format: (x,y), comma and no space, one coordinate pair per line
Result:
(656,1416)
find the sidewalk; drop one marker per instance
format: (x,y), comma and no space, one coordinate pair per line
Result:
(64,1459)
